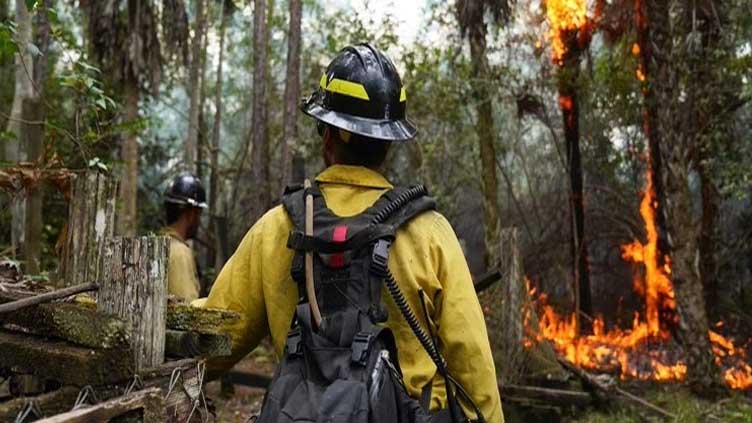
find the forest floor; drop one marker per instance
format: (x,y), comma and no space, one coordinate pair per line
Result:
(736,408)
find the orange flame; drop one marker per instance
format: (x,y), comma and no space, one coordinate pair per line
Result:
(565,18)
(645,351)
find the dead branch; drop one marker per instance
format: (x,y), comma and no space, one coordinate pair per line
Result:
(47,296)
(609,388)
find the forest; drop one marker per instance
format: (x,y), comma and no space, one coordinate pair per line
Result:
(612,137)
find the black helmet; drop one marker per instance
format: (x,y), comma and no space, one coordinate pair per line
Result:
(361,92)
(186,190)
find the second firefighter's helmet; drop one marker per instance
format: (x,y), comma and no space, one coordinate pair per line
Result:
(186,189)
(361,92)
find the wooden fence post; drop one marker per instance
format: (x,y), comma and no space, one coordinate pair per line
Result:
(91,220)
(134,288)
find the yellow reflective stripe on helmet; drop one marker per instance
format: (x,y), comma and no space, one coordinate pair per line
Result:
(403,95)
(348,88)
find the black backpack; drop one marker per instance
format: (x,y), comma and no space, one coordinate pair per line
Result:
(347,369)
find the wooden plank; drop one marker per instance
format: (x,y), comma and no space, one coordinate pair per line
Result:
(74,323)
(191,344)
(200,320)
(91,217)
(186,378)
(134,288)
(49,404)
(62,361)
(150,401)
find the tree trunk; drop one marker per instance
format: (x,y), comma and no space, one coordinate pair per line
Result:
(128,217)
(259,136)
(677,125)
(710,205)
(34,111)
(216,257)
(650,124)
(569,103)
(14,150)
(194,87)
(292,91)
(486,140)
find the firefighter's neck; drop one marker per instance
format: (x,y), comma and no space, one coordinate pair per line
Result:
(184,226)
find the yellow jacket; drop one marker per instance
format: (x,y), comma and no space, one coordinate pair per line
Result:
(182,277)
(426,255)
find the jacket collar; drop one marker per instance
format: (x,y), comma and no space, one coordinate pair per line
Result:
(168,231)
(353,175)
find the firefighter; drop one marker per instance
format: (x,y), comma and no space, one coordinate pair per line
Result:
(360,107)
(184,201)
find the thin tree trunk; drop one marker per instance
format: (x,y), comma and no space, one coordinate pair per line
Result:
(216,255)
(128,217)
(650,126)
(259,136)
(201,148)
(486,140)
(34,111)
(569,103)
(194,86)
(14,150)
(292,91)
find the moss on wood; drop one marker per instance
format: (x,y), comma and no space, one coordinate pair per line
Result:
(192,344)
(79,325)
(200,320)
(61,361)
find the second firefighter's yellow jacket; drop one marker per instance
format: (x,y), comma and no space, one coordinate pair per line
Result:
(426,255)
(182,276)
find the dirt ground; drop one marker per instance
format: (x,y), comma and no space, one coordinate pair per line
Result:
(245,401)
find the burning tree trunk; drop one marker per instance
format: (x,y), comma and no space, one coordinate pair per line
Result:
(571,113)
(680,142)
(570,35)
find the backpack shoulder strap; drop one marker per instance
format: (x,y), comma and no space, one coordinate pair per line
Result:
(403,204)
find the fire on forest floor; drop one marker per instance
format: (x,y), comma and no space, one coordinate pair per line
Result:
(646,351)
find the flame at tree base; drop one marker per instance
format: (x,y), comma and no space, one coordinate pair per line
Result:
(646,351)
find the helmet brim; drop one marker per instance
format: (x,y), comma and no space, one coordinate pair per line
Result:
(186,202)
(384,130)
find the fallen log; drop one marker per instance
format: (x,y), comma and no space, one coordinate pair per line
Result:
(559,397)
(61,361)
(47,297)
(49,404)
(608,387)
(199,320)
(149,404)
(191,344)
(79,325)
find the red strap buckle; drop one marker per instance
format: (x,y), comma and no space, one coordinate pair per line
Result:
(339,235)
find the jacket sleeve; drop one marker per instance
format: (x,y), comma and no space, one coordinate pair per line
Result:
(239,288)
(181,277)
(461,324)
